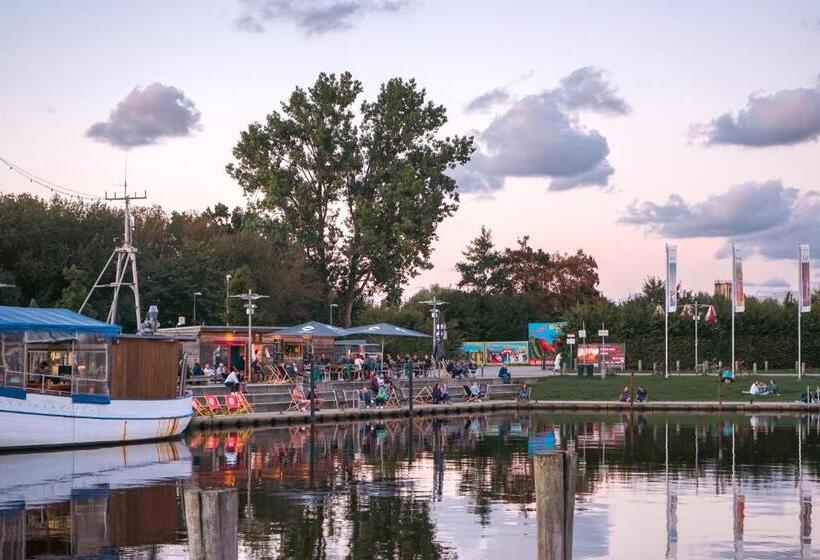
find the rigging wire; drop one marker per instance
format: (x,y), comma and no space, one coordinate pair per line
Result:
(50,185)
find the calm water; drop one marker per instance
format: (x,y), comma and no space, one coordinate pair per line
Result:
(649,487)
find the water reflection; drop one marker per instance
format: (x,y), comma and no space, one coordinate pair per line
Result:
(651,486)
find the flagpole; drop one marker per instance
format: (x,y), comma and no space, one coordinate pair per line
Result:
(799,314)
(734,272)
(666,320)
(697,317)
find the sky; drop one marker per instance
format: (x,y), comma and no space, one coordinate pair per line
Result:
(611,127)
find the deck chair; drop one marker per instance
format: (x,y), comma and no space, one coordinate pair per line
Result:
(214,406)
(200,409)
(244,404)
(232,405)
(394,399)
(469,396)
(298,401)
(282,374)
(425,396)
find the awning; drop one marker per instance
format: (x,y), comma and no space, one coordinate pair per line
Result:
(313,328)
(43,319)
(386,329)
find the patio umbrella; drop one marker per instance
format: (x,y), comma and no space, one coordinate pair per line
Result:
(313,328)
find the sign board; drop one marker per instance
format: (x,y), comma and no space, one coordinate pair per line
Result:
(545,341)
(603,332)
(571,339)
(582,333)
(614,355)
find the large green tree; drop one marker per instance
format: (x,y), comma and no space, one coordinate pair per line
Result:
(361,191)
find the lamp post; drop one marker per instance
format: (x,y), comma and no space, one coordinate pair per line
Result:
(435,313)
(227,299)
(696,317)
(332,305)
(196,294)
(250,307)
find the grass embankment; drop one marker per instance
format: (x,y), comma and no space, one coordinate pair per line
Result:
(686,388)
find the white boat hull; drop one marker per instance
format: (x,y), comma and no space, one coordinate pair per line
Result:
(53,421)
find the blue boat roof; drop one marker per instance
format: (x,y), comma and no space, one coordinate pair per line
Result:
(51,319)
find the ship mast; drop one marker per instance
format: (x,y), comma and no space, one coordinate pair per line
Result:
(126,255)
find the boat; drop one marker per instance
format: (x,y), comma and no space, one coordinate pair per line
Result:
(68,380)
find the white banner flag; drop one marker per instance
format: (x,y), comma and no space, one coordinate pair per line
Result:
(671,278)
(737,280)
(805,279)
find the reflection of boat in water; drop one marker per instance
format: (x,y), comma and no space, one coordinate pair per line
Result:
(34,479)
(86,502)
(66,379)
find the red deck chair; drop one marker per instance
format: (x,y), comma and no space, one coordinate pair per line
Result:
(232,405)
(298,401)
(244,404)
(199,408)
(214,405)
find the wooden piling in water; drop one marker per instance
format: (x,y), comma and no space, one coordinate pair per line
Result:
(212,519)
(556,473)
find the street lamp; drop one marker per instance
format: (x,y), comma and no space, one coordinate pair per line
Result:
(227,301)
(332,305)
(195,296)
(435,313)
(250,307)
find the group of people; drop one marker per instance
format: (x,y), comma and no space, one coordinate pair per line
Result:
(230,376)
(461,368)
(760,389)
(641,395)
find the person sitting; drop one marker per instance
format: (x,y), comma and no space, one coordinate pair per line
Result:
(197,371)
(727,376)
(232,380)
(445,395)
(208,371)
(524,392)
(473,366)
(365,398)
(758,389)
(774,388)
(318,400)
(642,395)
(624,395)
(504,374)
(436,392)
(381,396)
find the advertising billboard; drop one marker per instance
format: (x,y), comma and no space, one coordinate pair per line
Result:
(805,279)
(510,353)
(545,341)
(614,355)
(671,278)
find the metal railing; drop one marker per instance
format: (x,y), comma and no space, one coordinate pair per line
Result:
(48,383)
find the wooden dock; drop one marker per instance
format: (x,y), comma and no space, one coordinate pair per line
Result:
(352,414)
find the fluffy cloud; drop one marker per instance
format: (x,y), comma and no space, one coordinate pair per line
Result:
(766,218)
(787,117)
(313,17)
(488,100)
(146,116)
(743,209)
(541,136)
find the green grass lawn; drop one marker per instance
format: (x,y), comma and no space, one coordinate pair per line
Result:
(686,388)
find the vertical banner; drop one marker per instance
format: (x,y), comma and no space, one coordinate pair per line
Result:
(671,278)
(737,280)
(805,279)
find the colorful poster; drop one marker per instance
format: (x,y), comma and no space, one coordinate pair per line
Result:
(614,355)
(545,341)
(737,280)
(508,353)
(671,278)
(474,351)
(805,279)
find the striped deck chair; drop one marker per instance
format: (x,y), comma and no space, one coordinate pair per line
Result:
(469,396)
(214,406)
(298,401)
(244,403)
(425,396)
(232,405)
(200,409)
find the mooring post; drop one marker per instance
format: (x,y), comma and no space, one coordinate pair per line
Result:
(212,519)
(556,473)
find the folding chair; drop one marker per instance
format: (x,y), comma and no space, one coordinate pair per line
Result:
(244,403)
(393,399)
(425,396)
(232,404)
(214,405)
(200,409)
(298,401)
(469,396)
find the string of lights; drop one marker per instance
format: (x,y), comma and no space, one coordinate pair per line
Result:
(49,185)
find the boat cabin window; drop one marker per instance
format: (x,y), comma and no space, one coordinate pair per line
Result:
(55,363)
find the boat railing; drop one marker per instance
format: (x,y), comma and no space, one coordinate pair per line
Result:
(48,383)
